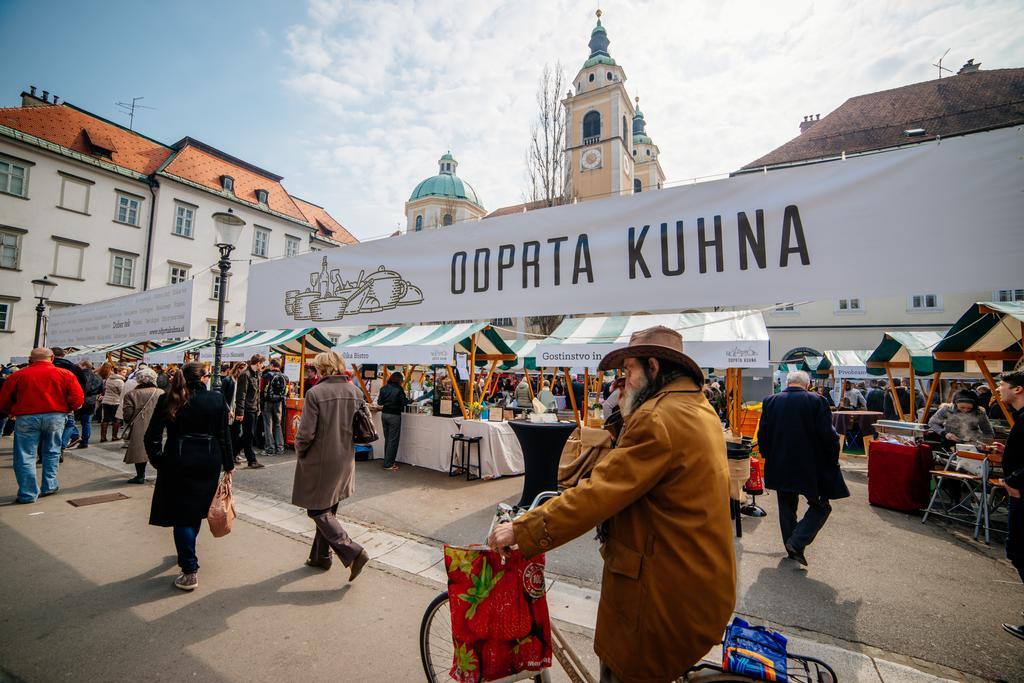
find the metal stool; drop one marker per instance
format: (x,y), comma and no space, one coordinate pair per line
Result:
(466,444)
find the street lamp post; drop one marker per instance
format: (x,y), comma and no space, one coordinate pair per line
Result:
(229,229)
(42,288)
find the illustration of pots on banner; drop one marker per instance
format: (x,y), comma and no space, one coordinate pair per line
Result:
(500,622)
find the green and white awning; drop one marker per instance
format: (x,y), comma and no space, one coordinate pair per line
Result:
(525,350)
(906,347)
(719,339)
(288,342)
(175,353)
(811,364)
(125,351)
(845,364)
(422,344)
(986,326)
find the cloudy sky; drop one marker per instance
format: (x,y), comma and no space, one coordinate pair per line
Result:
(354,102)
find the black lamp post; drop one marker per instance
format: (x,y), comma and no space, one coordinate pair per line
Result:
(42,288)
(229,229)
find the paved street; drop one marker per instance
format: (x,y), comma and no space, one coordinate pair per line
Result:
(880,583)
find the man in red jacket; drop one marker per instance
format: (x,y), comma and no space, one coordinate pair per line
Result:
(39,397)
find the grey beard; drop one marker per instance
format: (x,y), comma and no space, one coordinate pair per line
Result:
(631,400)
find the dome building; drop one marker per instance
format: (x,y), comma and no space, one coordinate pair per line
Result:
(647,173)
(443,199)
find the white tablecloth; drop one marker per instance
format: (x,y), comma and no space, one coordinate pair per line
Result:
(426,442)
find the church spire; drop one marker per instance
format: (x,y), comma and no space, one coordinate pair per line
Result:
(599,39)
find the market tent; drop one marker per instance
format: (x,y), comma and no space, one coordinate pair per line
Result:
(717,339)
(812,364)
(844,364)
(988,333)
(525,355)
(290,342)
(174,353)
(910,352)
(125,351)
(424,344)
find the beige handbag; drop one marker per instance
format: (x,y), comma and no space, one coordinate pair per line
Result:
(221,516)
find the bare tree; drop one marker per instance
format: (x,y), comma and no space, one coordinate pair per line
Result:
(544,324)
(545,159)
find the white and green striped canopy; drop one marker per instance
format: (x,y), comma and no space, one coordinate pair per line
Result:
(125,351)
(422,344)
(719,339)
(175,353)
(845,364)
(525,350)
(281,341)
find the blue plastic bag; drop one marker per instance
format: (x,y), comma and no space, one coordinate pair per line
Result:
(754,651)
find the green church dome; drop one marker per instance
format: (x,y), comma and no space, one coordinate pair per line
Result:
(446,184)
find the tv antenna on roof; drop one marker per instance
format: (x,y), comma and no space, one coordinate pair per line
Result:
(939,65)
(129,109)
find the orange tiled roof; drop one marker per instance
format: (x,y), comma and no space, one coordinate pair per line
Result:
(64,125)
(205,168)
(325,224)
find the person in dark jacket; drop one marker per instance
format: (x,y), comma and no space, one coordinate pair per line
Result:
(93,389)
(1011,391)
(904,395)
(392,401)
(71,436)
(876,397)
(189,463)
(247,406)
(801,452)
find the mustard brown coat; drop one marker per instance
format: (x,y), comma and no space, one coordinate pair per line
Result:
(325,469)
(669,582)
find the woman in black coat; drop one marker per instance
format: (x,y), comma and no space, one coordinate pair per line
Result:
(189,463)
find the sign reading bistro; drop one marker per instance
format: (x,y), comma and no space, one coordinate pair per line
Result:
(751,239)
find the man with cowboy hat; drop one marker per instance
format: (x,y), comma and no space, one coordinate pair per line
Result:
(661,497)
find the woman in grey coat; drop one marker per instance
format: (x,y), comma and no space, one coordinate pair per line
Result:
(325,469)
(139,404)
(963,422)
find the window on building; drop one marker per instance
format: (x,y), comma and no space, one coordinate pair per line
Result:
(637,185)
(848,306)
(128,209)
(74,193)
(215,289)
(590,78)
(122,270)
(625,132)
(786,308)
(6,315)
(184,219)
(261,196)
(292,245)
(68,256)
(502,322)
(227,183)
(924,302)
(13,178)
(334,339)
(419,223)
(1008,295)
(179,273)
(10,249)
(447,220)
(260,242)
(591,127)
(211,330)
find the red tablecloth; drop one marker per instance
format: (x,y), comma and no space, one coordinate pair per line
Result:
(898,476)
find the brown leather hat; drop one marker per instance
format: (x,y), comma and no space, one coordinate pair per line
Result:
(654,342)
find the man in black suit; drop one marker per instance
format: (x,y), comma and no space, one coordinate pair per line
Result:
(876,397)
(801,452)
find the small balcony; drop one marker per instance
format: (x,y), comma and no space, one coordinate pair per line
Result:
(591,140)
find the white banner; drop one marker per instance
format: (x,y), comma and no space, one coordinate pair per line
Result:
(233,354)
(840,372)
(752,239)
(707,354)
(396,355)
(164,313)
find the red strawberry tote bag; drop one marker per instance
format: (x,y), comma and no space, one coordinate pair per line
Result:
(500,622)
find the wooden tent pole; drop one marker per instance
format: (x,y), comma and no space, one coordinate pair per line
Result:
(302,369)
(913,394)
(359,378)
(895,396)
(936,381)
(408,377)
(995,392)
(458,393)
(585,410)
(572,396)
(472,369)
(529,384)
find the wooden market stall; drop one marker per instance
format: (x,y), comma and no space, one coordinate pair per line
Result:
(843,365)
(733,340)
(426,440)
(989,334)
(910,354)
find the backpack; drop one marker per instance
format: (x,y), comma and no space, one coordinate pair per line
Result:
(277,388)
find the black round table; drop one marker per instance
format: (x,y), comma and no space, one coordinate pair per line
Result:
(542,444)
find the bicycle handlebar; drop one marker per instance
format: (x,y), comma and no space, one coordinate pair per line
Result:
(507,513)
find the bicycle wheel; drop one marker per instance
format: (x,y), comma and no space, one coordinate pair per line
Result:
(436,647)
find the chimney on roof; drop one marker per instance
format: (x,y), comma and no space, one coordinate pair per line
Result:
(969,67)
(808,122)
(46,96)
(31,99)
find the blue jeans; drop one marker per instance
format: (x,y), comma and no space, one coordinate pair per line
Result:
(273,438)
(185,543)
(69,430)
(85,415)
(40,433)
